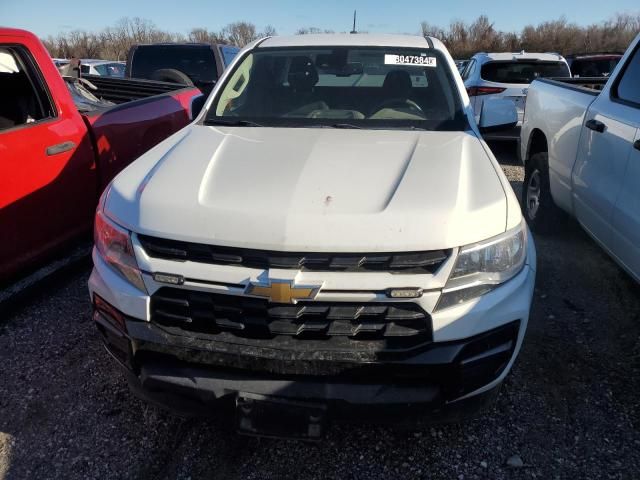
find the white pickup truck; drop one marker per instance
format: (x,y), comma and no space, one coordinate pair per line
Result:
(580,143)
(330,236)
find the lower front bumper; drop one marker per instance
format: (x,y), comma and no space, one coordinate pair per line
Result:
(187,391)
(191,376)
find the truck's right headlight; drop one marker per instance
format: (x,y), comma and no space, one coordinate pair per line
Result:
(483,266)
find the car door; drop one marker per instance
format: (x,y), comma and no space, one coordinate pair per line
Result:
(626,216)
(608,133)
(47,175)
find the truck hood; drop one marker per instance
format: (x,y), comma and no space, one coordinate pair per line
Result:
(313,189)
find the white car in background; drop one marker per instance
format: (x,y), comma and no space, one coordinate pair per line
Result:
(60,62)
(508,75)
(105,68)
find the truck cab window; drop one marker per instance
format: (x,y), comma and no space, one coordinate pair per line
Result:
(628,89)
(22,98)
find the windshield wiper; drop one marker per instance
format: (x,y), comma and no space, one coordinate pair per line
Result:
(232,123)
(408,127)
(350,125)
(333,125)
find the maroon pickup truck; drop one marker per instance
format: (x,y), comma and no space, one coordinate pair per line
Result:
(63,139)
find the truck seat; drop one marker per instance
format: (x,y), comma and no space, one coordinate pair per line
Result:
(18,103)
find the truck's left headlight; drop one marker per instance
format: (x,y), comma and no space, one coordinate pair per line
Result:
(483,266)
(114,245)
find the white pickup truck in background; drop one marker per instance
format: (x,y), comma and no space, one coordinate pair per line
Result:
(581,149)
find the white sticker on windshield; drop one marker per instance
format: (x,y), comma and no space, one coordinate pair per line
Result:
(410,60)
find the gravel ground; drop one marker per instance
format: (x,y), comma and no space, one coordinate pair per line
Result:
(569,409)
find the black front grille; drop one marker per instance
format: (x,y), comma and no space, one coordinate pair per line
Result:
(408,262)
(396,325)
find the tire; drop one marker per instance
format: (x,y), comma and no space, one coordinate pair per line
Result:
(172,75)
(538,208)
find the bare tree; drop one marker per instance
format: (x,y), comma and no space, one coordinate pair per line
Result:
(117,40)
(78,43)
(269,31)
(311,30)
(429,30)
(240,33)
(462,39)
(202,35)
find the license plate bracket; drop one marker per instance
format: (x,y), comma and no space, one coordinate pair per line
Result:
(276,417)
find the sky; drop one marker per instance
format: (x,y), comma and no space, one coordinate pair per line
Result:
(49,17)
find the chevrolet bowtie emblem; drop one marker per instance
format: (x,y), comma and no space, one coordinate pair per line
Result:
(282,291)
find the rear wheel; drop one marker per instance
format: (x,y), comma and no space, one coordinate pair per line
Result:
(542,215)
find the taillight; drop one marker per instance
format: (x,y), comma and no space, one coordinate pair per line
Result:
(476,91)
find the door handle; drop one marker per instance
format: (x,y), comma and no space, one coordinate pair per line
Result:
(595,125)
(60,148)
(636,144)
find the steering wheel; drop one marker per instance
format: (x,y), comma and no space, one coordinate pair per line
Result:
(401,103)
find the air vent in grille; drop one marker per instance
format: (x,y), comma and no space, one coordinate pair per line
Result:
(409,262)
(404,323)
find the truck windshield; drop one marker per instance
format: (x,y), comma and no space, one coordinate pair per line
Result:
(522,71)
(342,87)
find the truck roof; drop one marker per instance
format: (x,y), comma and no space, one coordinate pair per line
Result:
(348,40)
(503,56)
(182,44)
(16,32)
(595,55)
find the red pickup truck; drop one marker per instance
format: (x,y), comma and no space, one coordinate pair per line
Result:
(62,140)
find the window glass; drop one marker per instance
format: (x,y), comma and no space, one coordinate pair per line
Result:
(196,61)
(228,53)
(522,71)
(101,69)
(593,67)
(22,96)
(629,86)
(115,69)
(110,69)
(367,86)
(468,69)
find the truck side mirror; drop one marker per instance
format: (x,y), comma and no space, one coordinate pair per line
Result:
(197,103)
(497,114)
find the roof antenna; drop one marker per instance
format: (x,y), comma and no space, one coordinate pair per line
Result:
(354,22)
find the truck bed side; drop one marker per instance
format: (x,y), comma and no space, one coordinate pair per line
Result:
(124,132)
(553,124)
(122,90)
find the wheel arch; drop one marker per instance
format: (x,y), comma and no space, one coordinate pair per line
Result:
(537,144)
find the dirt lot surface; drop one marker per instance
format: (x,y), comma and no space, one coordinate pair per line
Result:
(568,410)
